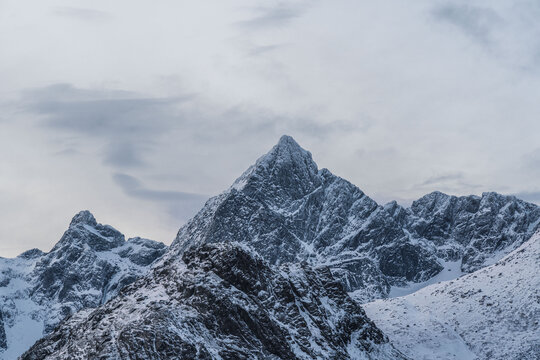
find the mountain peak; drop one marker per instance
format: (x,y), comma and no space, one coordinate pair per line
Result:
(286,172)
(287,145)
(288,141)
(84,217)
(286,153)
(85,229)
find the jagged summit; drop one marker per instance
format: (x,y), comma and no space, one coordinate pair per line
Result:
(288,210)
(286,172)
(31,254)
(288,149)
(84,217)
(84,229)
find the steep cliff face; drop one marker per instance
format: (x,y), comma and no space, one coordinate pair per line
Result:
(3,341)
(477,230)
(220,301)
(288,210)
(88,266)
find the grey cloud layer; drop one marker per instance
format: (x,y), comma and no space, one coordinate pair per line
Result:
(129,125)
(401,98)
(82,13)
(280,14)
(476,22)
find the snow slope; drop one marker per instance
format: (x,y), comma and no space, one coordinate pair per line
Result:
(493,313)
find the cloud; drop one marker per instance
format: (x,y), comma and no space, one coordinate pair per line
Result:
(450,177)
(531,161)
(451,182)
(530,196)
(276,16)
(257,50)
(83,14)
(180,205)
(128,124)
(476,22)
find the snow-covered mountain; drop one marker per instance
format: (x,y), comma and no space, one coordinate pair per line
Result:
(288,210)
(252,274)
(221,301)
(88,266)
(493,313)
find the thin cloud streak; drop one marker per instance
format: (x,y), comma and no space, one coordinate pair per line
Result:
(84,14)
(180,205)
(274,16)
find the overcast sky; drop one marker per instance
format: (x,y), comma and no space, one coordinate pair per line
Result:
(139,111)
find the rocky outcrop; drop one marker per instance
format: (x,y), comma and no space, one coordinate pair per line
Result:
(3,341)
(220,301)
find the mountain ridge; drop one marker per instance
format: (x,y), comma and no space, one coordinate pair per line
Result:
(289,210)
(222,301)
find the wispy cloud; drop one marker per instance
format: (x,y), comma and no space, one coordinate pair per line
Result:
(531,161)
(273,16)
(180,205)
(451,182)
(84,14)
(475,22)
(450,177)
(530,196)
(128,125)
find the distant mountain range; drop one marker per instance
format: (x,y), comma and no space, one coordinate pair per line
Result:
(276,267)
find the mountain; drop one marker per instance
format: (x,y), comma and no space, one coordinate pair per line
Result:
(88,266)
(267,269)
(493,313)
(288,210)
(222,301)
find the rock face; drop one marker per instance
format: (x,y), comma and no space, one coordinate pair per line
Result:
(220,301)
(88,266)
(288,210)
(3,341)
(493,313)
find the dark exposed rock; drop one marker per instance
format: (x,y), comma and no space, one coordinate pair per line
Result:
(222,302)
(3,341)
(31,254)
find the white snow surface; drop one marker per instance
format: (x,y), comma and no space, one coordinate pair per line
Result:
(493,313)
(451,271)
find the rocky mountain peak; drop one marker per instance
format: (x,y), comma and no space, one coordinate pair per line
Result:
(83,217)
(286,173)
